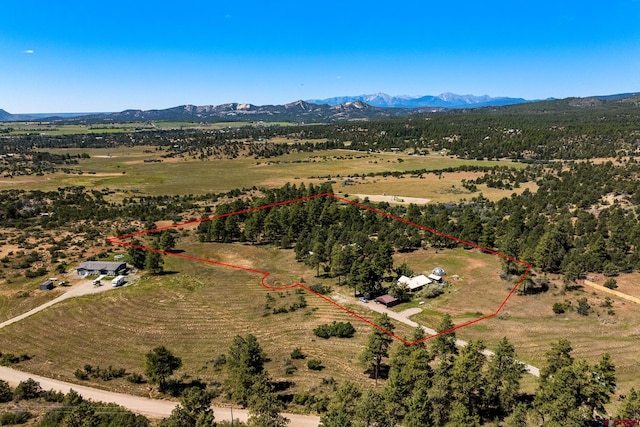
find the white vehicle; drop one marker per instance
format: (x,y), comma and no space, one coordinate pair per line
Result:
(117,281)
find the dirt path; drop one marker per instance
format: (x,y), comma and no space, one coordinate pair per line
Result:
(154,408)
(83,288)
(403,317)
(393,199)
(612,292)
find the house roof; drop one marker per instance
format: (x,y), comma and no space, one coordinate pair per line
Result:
(386,299)
(102,265)
(435,277)
(414,282)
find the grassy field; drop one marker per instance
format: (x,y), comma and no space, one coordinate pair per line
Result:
(195,313)
(56,129)
(124,170)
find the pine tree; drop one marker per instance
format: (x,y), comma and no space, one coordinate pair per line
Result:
(377,347)
(245,365)
(342,406)
(503,378)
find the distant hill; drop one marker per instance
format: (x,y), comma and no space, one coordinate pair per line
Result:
(445,100)
(298,111)
(337,109)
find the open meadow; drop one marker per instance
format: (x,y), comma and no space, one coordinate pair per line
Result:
(195,310)
(145,170)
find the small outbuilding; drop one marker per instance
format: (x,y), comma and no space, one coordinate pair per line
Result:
(438,271)
(435,278)
(387,300)
(47,286)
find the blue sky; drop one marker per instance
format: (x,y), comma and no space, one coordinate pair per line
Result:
(80,55)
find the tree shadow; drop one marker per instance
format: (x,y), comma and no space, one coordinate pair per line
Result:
(279,386)
(175,387)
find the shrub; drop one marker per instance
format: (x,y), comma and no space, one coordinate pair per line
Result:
(320,288)
(297,353)
(323,331)
(583,307)
(315,365)
(81,375)
(5,392)
(53,396)
(29,389)
(336,329)
(343,329)
(135,378)
(289,367)
(13,418)
(432,291)
(611,284)
(559,308)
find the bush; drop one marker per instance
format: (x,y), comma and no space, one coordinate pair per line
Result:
(6,395)
(432,291)
(611,284)
(336,329)
(29,389)
(53,396)
(323,331)
(135,378)
(583,307)
(315,365)
(297,353)
(320,288)
(559,308)
(13,418)
(289,367)
(81,375)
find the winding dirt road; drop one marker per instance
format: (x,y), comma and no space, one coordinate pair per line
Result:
(403,317)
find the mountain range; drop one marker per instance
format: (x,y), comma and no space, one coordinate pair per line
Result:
(363,107)
(445,100)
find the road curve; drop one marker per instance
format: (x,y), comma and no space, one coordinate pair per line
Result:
(154,408)
(403,317)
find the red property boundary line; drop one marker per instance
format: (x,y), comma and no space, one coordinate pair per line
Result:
(265,274)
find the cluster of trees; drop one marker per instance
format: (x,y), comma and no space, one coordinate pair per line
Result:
(555,228)
(65,410)
(541,131)
(446,385)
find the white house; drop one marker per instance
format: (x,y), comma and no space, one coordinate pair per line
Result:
(414,283)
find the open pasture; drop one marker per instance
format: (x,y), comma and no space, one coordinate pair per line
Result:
(195,310)
(124,169)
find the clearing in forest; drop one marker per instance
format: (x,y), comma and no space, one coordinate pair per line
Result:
(120,240)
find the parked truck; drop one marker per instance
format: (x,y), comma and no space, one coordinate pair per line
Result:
(117,281)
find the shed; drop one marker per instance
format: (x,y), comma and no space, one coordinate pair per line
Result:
(435,278)
(46,286)
(387,300)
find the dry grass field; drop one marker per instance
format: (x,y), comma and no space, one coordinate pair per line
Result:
(124,170)
(195,311)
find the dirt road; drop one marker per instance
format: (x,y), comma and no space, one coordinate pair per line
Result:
(154,408)
(402,200)
(403,317)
